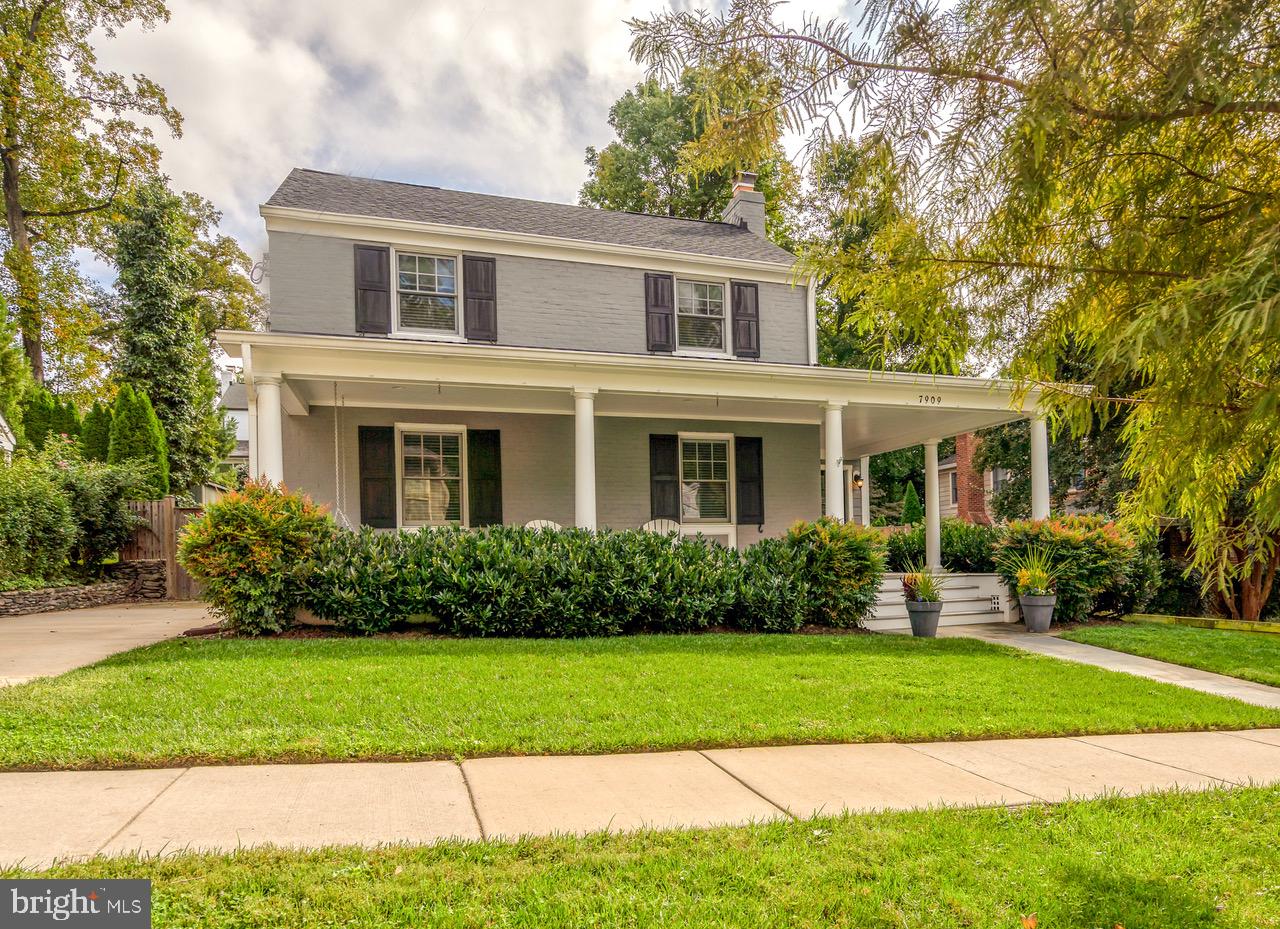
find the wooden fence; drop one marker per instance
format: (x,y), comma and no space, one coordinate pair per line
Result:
(157,540)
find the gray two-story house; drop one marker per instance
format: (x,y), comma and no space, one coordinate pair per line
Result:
(440,357)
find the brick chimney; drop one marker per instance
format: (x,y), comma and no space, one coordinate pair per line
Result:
(970,487)
(746,208)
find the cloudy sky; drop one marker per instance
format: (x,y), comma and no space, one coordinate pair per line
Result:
(498,96)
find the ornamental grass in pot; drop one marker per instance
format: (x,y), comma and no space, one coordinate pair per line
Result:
(923,592)
(1033,575)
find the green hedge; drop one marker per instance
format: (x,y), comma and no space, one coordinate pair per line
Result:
(263,553)
(1094,562)
(509,581)
(37,530)
(966,547)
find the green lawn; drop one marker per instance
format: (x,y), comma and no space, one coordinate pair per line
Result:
(275,700)
(1254,656)
(1164,861)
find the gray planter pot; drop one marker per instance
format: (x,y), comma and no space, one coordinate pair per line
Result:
(1037,612)
(924,618)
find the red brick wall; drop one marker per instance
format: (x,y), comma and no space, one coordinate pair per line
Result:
(972,505)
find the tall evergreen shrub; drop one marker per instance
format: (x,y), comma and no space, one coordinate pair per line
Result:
(136,435)
(95,433)
(912,511)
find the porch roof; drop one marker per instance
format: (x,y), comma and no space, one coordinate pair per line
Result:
(881,411)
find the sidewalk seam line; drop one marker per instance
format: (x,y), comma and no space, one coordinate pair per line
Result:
(471,796)
(1163,764)
(781,809)
(1245,734)
(146,806)
(990,780)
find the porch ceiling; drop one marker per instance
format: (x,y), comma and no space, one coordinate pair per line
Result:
(881,412)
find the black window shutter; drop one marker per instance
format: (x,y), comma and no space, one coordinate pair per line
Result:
(664,477)
(660,312)
(480,298)
(378,476)
(746,320)
(373,289)
(484,477)
(748,464)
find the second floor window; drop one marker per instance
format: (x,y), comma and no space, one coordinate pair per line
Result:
(427,293)
(700,316)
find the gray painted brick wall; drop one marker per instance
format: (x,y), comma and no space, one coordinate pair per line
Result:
(541,303)
(537,463)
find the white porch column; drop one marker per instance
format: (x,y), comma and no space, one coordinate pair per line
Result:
(835,459)
(864,468)
(1039,468)
(270,442)
(932,511)
(584,458)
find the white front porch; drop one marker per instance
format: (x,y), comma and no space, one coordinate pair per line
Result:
(589,407)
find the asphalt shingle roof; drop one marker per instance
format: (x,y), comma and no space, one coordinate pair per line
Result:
(360,196)
(235,397)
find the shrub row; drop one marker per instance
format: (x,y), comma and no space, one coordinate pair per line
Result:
(261,553)
(510,581)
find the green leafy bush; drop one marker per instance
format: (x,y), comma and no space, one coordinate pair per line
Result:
(1090,558)
(37,530)
(774,593)
(99,495)
(966,547)
(844,564)
(252,552)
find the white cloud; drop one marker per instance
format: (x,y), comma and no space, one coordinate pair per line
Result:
(500,96)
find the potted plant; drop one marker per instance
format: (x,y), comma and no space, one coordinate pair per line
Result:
(1033,576)
(923,591)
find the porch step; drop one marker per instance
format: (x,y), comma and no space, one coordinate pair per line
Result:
(897,609)
(889,624)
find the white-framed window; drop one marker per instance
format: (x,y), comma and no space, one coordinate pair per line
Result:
(706,478)
(427,294)
(431,467)
(700,316)
(955,487)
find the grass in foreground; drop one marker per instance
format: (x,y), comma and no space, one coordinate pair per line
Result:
(275,700)
(1164,861)
(1253,656)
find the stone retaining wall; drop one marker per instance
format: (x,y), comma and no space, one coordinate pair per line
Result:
(127,581)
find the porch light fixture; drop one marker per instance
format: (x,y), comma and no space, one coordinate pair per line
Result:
(857,479)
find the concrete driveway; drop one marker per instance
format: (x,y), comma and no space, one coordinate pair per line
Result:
(45,644)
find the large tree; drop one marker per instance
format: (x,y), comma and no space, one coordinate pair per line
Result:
(1100,176)
(641,170)
(164,351)
(68,147)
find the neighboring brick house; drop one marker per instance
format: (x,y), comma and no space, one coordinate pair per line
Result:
(443,357)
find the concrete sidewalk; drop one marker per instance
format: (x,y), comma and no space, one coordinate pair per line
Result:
(45,644)
(74,814)
(1016,636)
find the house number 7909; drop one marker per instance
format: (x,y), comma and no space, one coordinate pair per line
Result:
(930,399)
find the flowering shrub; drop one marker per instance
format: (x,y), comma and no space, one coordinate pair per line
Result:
(844,564)
(1088,555)
(252,552)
